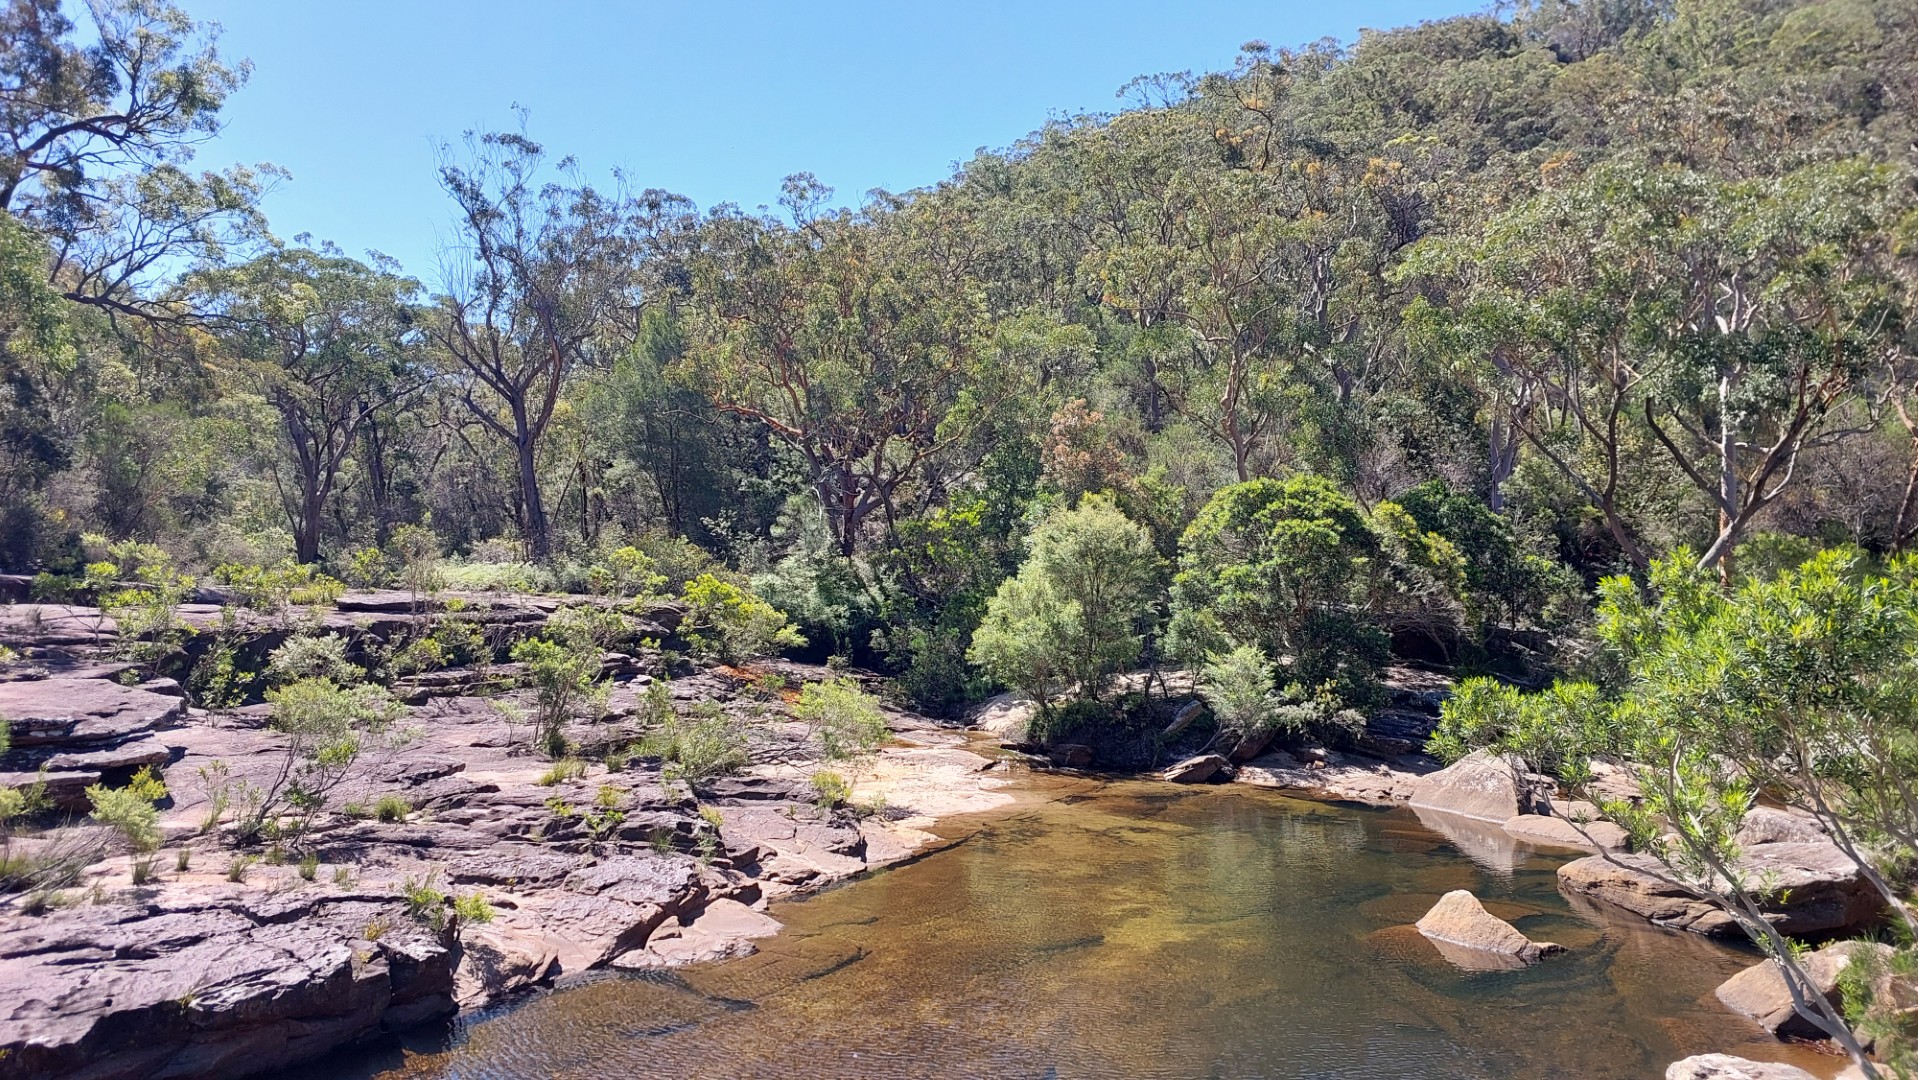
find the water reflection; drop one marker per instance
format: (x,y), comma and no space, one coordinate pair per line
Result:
(1144,932)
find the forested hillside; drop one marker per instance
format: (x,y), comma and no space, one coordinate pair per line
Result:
(1402,343)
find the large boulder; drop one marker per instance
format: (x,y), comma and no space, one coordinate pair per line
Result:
(1817,890)
(1727,1067)
(1479,940)
(1486,787)
(1759,991)
(1197,770)
(1769,825)
(1007,716)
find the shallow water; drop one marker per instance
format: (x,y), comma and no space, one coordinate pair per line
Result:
(1143,930)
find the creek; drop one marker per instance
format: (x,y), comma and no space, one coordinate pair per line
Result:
(1139,929)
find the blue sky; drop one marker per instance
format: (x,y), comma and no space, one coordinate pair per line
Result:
(716,101)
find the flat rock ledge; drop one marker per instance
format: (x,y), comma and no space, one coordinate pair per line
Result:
(1825,892)
(1727,1067)
(207,987)
(1475,939)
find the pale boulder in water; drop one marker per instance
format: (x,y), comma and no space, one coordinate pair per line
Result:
(1477,939)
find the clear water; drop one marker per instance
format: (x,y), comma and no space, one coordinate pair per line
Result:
(1143,930)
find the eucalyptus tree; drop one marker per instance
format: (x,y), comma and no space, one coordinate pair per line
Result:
(96,135)
(849,342)
(1723,325)
(328,341)
(543,269)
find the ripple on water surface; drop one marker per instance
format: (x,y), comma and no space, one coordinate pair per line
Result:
(1144,932)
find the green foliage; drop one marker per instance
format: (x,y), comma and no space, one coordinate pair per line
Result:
(425,900)
(693,751)
(626,573)
(563,667)
(1295,568)
(1074,614)
(845,720)
(313,656)
(726,622)
(271,590)
(138,587)
(831,790)
(1238,686)
(472,908)
(323,727)
(1802,687)
(131,812)
(559,772)
(392,809)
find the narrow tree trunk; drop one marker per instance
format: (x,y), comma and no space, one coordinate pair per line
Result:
(539,541)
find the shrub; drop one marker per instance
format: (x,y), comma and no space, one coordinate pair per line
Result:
(1238,687)
(425,900)
(831,789)
(697,750)
(271,590)
(561,771)
(563,666)
(626,573)
(312,656)
(472,908)
(1073,615)
(392,809)
(131,812)
(138,588)
(845,720)
(1294,567)
(323,725)
(725,622)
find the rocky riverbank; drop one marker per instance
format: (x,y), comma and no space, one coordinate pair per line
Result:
(236,960)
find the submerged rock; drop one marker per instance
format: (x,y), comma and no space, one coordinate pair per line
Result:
(1759,991)
(1558,830)
(1727,1067)
(1485,787)
(1481,941)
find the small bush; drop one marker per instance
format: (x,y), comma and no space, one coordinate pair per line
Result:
(725,622)
(130,811)
(473,908)
(845,720)
(392,809)
(309,867)
(425,900)
(696,750)
(561,771)
(312,656)
(831,790)
(237,869)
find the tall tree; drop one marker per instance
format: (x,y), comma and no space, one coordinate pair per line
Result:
(327,341)
(859,352)
(542,269)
